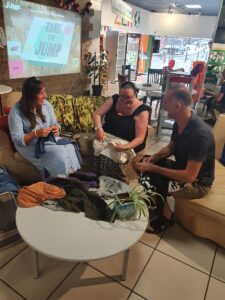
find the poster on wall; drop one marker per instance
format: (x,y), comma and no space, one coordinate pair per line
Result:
(45,42)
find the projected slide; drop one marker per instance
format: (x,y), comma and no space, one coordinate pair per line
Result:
(41,40)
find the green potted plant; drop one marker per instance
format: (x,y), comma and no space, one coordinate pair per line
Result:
(97,70)
(134,204)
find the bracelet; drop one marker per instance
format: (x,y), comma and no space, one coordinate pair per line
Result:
(35,133)
(98,127)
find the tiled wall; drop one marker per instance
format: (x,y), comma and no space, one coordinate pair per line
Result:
(73,84)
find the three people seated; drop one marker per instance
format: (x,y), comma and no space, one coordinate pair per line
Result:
(189,176)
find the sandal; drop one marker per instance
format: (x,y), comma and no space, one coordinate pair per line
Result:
(159,225)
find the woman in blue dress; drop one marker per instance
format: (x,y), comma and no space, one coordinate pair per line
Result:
(33,117)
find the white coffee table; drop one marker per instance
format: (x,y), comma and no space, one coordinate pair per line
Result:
(73,237)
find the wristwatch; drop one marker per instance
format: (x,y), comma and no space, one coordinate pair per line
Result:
(98,127)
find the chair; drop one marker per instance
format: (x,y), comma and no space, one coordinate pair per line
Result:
(122,79)
(128,69)
(10,100)
(155,76)
(22,170)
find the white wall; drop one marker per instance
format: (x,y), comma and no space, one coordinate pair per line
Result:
(163,24)
(96,23)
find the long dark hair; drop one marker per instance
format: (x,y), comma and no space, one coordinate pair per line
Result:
(31,87)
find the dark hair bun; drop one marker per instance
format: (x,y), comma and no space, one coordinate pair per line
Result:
(129,85)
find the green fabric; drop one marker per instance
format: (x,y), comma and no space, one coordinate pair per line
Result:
(75,113)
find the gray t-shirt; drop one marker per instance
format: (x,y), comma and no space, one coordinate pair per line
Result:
(196,142)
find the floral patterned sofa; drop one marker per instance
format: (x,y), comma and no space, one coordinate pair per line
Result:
(75,113)
(75,116)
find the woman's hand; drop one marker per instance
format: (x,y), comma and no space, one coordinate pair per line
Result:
(119,147)
(43,132)
(100,135)
(55,130)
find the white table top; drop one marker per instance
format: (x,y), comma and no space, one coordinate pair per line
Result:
(73,237)
(4,89)
(154,90)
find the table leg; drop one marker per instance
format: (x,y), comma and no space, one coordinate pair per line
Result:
(125,265)
(35,264)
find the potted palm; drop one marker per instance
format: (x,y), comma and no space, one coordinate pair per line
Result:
(133,205)
(97,70)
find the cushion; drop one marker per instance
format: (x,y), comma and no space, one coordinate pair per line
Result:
(75,113)
(19,157)
(85,142)
(84,107)
(222,160)
(63,108)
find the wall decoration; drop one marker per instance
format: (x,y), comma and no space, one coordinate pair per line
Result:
(73,5)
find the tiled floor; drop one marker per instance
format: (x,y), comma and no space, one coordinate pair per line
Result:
(175,265)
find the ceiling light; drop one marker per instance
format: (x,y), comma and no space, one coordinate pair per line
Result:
(193,6)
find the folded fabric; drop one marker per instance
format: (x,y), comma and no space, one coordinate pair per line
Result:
(105,148)
(40,145)
(89,179)
(109,187)
(90,203)
(37,193)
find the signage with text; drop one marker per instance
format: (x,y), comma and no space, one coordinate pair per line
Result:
(122,9)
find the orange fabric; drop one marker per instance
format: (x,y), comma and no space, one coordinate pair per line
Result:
(37,193)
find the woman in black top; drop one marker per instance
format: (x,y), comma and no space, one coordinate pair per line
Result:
(126,117)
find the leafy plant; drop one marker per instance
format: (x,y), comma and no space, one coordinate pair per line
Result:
(140,200)
(97,67)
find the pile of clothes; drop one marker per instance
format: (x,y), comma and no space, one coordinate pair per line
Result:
(82,192)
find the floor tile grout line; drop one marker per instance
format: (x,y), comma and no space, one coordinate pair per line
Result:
(133,292)
(10,287)
(18,253)
(154,249)
(61,282)
(106,275)
(183,262)
(221,280)
(146,244)
(207,287)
